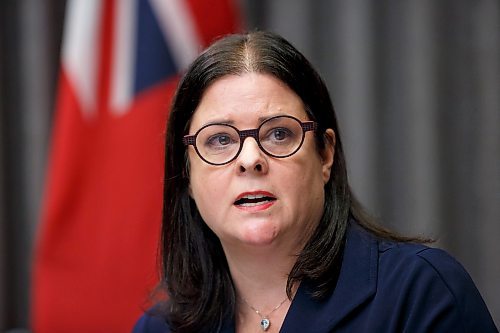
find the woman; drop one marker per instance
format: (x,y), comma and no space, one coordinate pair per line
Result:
(261,231)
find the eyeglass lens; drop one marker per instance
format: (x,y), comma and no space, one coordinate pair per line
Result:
(279,137)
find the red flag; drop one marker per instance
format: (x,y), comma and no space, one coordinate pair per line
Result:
(95,260)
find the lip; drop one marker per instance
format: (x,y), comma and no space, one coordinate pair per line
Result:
(264,193)
(258,207)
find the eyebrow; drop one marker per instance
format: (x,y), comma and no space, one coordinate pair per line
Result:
(231,122)
(219,121)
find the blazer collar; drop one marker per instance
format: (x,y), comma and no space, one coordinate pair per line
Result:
(357,283)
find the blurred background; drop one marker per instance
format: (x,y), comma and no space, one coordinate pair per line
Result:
(416,88)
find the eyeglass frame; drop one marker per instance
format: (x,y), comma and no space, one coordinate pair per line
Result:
(309,125)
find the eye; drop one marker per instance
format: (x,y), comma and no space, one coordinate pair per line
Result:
(280,134)
(219,140)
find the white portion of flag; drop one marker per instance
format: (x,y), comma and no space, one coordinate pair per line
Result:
(179,29)
(123,64)
(81,47)
(79,51)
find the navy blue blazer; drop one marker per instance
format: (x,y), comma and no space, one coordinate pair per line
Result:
(383,287)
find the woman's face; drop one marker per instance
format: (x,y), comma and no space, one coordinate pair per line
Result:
(292,188)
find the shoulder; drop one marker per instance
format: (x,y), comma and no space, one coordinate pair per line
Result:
(428,283)
(420,263)
(149,323)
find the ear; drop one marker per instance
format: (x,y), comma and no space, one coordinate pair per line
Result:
(328,154)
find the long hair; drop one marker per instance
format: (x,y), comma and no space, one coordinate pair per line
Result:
(194,272)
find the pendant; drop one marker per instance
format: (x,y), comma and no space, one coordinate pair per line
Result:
(264,324)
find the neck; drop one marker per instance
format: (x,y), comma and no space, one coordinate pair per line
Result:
(260,277)
(260,274)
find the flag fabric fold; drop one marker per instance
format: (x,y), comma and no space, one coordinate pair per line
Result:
(95,257)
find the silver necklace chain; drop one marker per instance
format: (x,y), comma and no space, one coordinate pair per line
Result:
(265,322)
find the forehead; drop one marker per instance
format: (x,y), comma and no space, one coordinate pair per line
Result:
(244,100)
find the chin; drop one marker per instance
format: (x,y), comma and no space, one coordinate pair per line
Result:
(259,235)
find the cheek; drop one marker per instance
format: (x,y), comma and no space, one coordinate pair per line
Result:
(197,179)
(304,180)
(207,186)
(313,182)
(204,195)
(201,187)
(311,173)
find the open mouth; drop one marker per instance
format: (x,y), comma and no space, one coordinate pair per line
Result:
(250,200)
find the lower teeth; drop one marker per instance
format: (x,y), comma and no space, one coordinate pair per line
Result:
(252,204)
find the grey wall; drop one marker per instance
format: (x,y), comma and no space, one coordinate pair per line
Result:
(30,34)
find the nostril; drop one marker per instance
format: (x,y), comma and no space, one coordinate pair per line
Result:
(258,167)
(242,168)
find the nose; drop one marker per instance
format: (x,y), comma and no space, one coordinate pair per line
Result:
(251,158)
